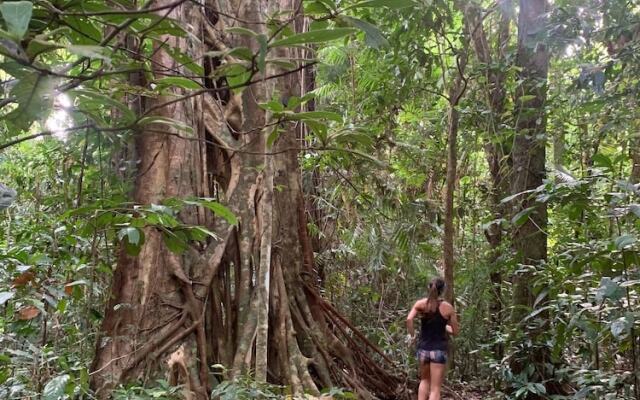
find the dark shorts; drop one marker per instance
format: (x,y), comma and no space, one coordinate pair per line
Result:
(432,356)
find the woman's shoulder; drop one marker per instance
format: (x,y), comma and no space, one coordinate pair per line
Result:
(421,304)
(446,307)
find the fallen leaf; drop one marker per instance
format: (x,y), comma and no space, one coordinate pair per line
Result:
(68,289)
(23,279)
(27,313)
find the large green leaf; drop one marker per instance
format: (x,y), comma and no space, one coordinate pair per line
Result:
(609,290)
(221,211)
(317,36)
(179,81)
(16,15)
(54,389)
(176,241)
(373,37)
(34,94)
(237,76)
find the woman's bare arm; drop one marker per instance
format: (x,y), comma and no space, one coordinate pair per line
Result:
(412,314)
(453,327)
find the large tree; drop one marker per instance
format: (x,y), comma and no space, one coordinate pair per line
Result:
(527,175)
(248,298)
(493,63)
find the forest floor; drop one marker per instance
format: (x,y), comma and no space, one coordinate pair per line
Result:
(467,391)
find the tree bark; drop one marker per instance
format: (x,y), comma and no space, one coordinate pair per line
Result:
(634,150)
(497,159)
(248,299)
(456,91)
(528,154)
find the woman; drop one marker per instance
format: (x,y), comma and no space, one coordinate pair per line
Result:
(438,318)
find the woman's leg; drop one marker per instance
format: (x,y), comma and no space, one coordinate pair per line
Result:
(423,389)
(437,370)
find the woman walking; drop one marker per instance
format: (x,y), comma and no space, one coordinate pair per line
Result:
(438,318)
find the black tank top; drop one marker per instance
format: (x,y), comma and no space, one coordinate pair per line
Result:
(433,331)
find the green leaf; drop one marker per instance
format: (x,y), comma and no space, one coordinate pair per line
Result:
(88,98)
(5,296)
(16,70)
(237,76)
(608,290)
(176,241)
(393,4)
(90,34)
(619,327)
(319,128)
(600,160)
(16,15)
(175,124)
(522,217)
(179,81)
(54,389)
(220,210)
(373,37)
(527,97)
(34,94)
(625,241)
(89,51)
(132,235)
(184,60)
(134,239)
(241,31)
(317,36)
(262,54)
(200,233)
(314,115)
(513,196)
(330,4)
(316,8)
(242,52)
(273,136)
(38,46)
(283,63)
(348,137)
(274,106)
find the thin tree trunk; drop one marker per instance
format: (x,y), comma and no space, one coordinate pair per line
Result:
(634,150)
(456,91)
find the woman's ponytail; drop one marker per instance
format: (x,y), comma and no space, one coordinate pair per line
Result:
(436,287)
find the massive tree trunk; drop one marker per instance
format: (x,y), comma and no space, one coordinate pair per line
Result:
(248,299)
(528,154)
(497,159)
